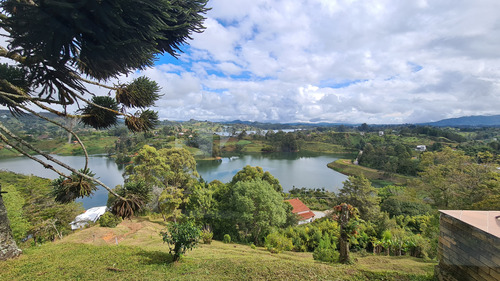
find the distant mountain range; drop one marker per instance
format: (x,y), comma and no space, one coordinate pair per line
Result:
(468,121)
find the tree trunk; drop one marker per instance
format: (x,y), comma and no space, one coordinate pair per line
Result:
(8,247)
(344,236)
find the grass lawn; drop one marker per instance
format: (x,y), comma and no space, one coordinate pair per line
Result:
(92,254)
(93,144)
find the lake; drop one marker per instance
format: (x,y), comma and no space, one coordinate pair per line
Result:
(291,169)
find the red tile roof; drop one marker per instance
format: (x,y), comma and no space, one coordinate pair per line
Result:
(300,209)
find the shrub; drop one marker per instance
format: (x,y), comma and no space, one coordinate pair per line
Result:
(253,246)
(109,220)
(227,238)
(326,251)
(181,237)
(206,236)
(277,242)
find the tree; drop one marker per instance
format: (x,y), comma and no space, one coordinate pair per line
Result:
(172,170)
(169,201)
(254,208)
(347,217)
(249,173)
(359,192)
(57,48)
(453,180)
(181,237)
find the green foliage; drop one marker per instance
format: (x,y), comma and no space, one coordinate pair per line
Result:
(315,199)
(142,121)
(249,173)
(181,237)
(91,41)
(201,205)
(395,207)
(17,78)
(306,237)
(389,155)
(453,180)
(141,93)
(66,190)
(71,261)
(136,195)
(32,209)
(359,192)
(490,203)
(14,202)
(277,242)
(109,220)
(164,167)
(253,209)
(227,238)
(169,201)
(206,236)
(326,251)
(95,116)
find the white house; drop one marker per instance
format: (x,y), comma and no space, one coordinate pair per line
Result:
(91,215)
(421,148)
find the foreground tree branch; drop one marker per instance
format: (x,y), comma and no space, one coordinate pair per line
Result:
(56,44)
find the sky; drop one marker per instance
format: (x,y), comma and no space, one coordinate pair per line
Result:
(375,62)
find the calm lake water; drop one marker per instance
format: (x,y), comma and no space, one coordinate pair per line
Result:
(291,169)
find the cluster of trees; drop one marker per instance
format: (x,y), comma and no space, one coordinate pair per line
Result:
(434,132)
(281,142)
(390,157)
(247,208)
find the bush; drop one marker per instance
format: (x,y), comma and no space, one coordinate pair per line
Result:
(206,236)
(277,242)
(227,238)
(109,220)
(253,246)
(181,237)
(326,251)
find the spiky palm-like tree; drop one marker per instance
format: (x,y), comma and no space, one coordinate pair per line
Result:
(57,48)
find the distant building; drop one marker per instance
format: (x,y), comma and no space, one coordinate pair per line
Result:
(299,208)
(380,133)
(421,148)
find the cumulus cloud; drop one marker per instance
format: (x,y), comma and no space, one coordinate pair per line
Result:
(381,61)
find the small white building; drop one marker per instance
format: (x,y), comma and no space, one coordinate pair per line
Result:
(421,148)
(91,215)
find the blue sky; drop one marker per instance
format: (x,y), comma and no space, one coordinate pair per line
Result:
(348,61)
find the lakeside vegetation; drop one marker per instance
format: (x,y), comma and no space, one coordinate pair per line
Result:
(396,188)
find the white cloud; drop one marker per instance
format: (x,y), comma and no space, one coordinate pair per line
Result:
(380,61)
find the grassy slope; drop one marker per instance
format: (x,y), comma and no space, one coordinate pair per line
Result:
(346,167)
(92,254)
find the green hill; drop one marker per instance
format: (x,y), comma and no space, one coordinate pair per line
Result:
(93,254)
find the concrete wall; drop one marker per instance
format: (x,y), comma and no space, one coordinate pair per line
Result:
(467,252)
